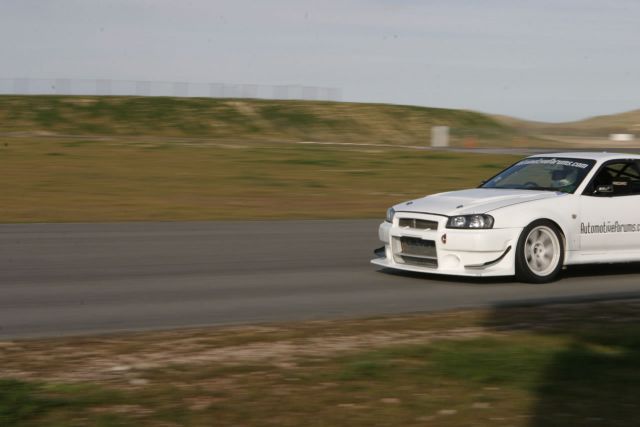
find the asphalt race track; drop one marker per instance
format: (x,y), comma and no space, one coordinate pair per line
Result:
(60,279)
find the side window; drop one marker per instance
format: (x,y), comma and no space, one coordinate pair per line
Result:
(635,183)
(617,178)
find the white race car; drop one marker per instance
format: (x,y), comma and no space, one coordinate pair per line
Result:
(530,220)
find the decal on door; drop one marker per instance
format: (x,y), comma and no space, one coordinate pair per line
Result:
(608,227)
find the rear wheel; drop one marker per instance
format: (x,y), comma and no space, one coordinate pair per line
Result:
(540,252)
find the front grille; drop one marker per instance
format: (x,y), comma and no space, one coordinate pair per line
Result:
(420,224)
(418,247)
(423,262)
(415,251)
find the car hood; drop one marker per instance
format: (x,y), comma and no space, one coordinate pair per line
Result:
(477,200)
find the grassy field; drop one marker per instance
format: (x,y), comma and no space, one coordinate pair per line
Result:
(85,159)
(571,365)
(77,180)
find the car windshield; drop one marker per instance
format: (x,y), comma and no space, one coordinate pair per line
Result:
(543,173)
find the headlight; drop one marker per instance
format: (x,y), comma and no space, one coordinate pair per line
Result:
(390,214)
(470,221)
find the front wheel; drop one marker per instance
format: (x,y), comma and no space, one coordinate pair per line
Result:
(540,252)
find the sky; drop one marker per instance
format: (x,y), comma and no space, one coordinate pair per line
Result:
(547,60)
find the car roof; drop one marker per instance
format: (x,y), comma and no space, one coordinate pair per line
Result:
(601,156)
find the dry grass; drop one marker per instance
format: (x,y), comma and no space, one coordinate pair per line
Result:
(586,130)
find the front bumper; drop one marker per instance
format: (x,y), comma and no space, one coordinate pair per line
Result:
(479,253)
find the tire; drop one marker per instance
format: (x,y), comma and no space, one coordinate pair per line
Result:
(540,252)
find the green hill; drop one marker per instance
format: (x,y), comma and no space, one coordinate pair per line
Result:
(243,120)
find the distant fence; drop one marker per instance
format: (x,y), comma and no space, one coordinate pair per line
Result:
(28,86)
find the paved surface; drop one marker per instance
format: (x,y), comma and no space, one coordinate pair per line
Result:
(58,279)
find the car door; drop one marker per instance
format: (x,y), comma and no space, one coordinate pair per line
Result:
(610,209)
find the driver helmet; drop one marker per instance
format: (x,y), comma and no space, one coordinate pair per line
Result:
(563,177)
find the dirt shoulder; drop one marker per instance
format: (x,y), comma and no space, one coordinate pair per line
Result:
(546,365)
